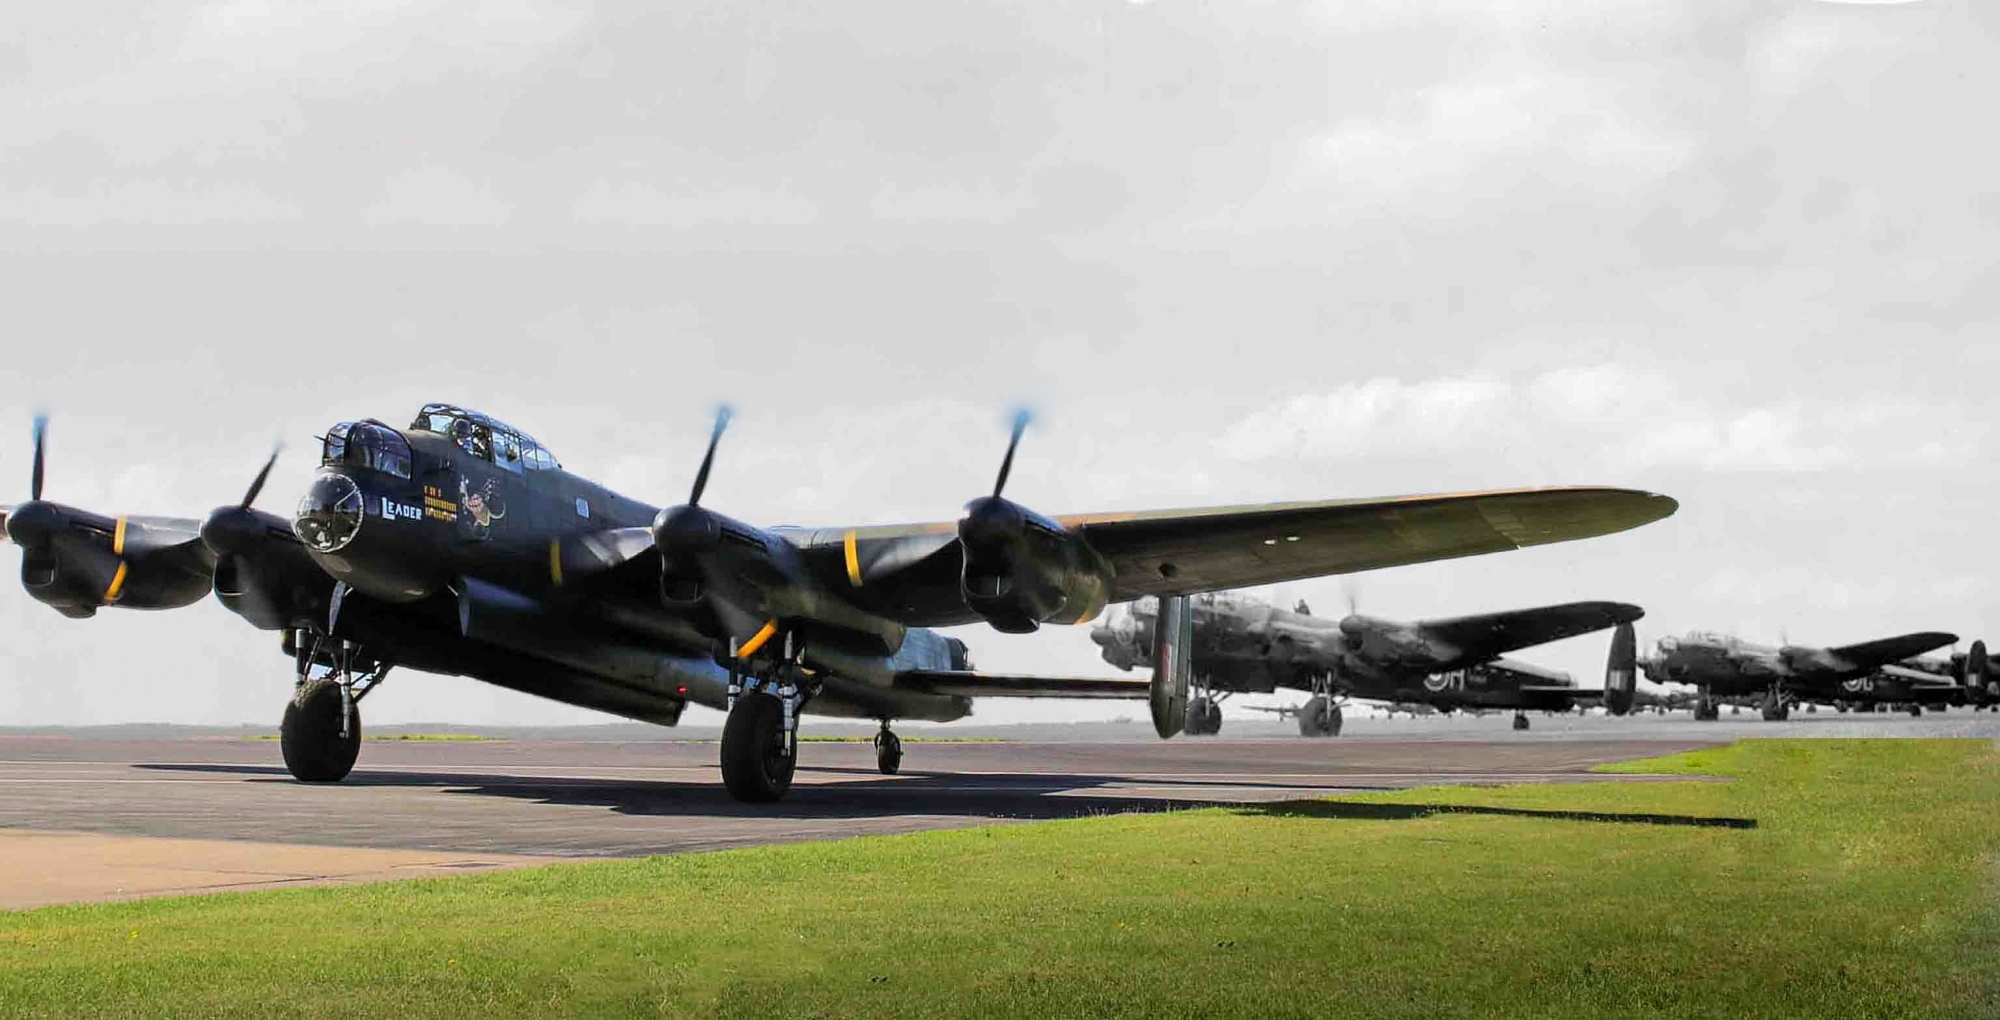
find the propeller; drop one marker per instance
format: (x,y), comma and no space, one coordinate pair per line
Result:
(41,442)
(263,476)
(722,416)
(685,533)
(1021,419)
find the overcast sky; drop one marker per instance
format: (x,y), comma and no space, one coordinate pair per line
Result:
(1739,252)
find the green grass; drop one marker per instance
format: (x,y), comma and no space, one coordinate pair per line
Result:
(1866,888)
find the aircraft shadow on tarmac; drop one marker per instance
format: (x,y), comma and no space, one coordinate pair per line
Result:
(1402,812)
(988,795)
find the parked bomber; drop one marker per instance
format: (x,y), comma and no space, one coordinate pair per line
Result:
(1915,684)
(1245,644)
(1722,668)
(458,544)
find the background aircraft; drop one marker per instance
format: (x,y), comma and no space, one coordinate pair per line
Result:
(1724,667)
(460,545)
(1243,644)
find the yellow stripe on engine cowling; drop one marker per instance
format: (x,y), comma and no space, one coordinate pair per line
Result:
(117,583)
(555,561)
(759,640)
(118,539)
(853,560)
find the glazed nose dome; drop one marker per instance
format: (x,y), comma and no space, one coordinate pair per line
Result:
(330,515)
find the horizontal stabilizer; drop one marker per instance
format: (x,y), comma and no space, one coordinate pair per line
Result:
(967,684)
(1915,677)
(1894,649)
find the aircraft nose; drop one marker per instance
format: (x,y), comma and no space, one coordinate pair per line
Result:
(330,515)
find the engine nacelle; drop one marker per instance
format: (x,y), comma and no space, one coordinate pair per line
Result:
(263,572)
(76,561)
(1022,570)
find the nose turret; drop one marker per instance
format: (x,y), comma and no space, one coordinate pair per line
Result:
(330,515)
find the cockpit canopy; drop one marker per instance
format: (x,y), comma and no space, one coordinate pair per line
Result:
(369,445)
(485,438)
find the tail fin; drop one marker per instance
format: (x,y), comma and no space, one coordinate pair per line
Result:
(1975,667)
(1621,670)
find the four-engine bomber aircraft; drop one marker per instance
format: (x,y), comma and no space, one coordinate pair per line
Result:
(1243,644)
(459,545)
(1720,666)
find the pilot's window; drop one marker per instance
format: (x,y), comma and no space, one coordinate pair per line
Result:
(507,451)
(335,450)
(377,448)
(441,423)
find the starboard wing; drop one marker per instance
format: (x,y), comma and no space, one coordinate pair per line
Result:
(1181,552)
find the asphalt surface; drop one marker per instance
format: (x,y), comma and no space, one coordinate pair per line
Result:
(131,813)
(591,799)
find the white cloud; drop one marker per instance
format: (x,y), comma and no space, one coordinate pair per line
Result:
(1465,139)
(1635,418)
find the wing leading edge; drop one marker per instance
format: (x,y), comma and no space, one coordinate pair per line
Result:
(1182,552)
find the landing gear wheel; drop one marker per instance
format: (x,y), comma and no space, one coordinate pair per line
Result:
(888,752)
(1319,717)
(1916,711)
(1520,721)
(1776,709)
(757,754)
(310,737)
(1204,717)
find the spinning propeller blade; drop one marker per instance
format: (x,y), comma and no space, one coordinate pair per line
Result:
(257,486)
(1007,463)
(41,437)
(722,416)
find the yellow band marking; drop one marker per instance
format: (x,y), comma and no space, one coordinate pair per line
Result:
(555,561)
(853,561)
(117,583)
(118,539)
(759,640)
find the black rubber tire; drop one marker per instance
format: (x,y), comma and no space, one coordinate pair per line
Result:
(1319,717)
(1520,722)
(310,739)
(753,769)
(1204,717)
(888,753)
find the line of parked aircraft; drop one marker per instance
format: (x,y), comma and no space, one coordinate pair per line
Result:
(1242,644)
(458,544)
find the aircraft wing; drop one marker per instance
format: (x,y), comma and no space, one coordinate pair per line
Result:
(1479,638)
(1893,649)
(971,684)
(1182,552)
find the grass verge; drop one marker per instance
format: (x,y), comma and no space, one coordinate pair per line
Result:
(1830,879)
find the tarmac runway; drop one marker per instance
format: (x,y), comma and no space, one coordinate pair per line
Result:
(110,818)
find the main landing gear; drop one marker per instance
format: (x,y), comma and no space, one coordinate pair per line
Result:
(1775,707)
(320,736)
(1520,720)
(1705,708)
(1204,714)
(760,739)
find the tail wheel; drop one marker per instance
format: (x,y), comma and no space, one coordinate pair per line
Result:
(757,755)
(888,753)
(315,749)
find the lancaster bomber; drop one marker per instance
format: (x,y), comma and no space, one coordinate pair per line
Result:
(1244,644)
(459,544)
(1723,667)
